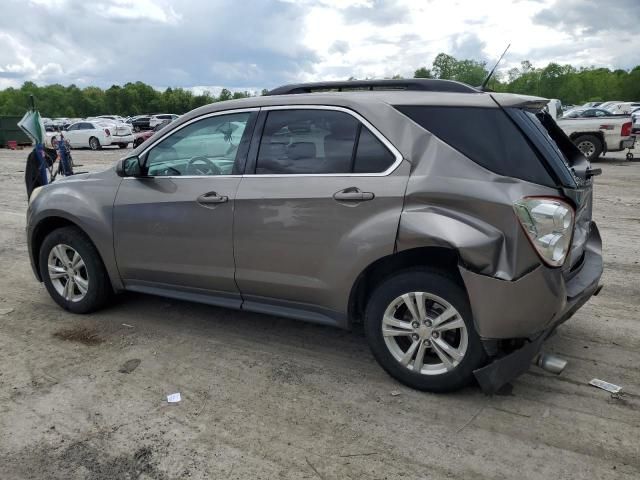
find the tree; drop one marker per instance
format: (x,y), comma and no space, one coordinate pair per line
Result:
(224,95)
(444,66)
(422,72)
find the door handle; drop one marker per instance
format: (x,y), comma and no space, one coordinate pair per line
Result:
(210,198)
(353,194)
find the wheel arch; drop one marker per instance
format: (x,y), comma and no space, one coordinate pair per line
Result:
(47,225)
(442,258)
(597,133)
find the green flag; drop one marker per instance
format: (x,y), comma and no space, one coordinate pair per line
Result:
(32,125)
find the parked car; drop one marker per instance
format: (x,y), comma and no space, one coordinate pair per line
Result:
(143,135)
(606,105)
(635,121)
(623,107)
(116,118)
(96,134)
(402,209)
(597,135)
(155,120)
(591,104)
(141,123)
(587,113)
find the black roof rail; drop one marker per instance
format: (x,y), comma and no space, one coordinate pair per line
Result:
(413,84)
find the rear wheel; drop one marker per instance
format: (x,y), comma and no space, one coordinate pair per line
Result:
(420,329)
(589,145)
(629,156)
(94,143)
(72,271)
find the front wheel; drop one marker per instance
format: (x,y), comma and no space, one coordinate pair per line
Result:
(420,329)
(629,156)
(72,271)
(123,145)
(94,144)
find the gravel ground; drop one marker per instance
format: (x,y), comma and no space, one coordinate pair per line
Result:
(264,397)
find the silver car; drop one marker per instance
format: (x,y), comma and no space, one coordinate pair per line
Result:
(455,224)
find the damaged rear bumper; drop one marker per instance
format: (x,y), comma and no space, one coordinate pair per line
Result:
(542,306)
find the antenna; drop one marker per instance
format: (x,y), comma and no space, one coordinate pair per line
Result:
(486,80)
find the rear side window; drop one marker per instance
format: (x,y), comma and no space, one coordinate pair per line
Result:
(371,154)
(319,142)
(485,135)
(307,142)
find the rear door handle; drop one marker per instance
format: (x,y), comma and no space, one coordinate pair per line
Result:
(211,198)
(353,194)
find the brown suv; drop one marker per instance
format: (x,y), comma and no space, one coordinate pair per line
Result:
(455,223)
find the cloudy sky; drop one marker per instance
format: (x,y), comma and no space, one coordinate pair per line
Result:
(257,44)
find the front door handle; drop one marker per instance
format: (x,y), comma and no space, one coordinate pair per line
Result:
(211,198)
(353,194)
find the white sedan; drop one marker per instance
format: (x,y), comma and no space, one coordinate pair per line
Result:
(95,135)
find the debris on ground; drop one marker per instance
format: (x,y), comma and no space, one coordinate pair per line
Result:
(129,366)
(127,325)
(83,335)
(6,311)
(609,387)
(395,393)
(174,398)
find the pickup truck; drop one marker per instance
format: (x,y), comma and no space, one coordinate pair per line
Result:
(597,135)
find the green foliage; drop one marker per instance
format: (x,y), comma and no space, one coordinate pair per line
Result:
(565,82)
(129,99)
(569,84)
(422,72)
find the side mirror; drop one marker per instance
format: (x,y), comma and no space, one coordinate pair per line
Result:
(129,167)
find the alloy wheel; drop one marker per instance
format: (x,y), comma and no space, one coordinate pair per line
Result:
(425,333)
(68,273)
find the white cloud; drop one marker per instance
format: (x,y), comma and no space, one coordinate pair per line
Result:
(269,42)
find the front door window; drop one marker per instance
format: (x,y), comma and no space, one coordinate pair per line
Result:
(206,147)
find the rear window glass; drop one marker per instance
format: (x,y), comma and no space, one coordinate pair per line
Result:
(485,135)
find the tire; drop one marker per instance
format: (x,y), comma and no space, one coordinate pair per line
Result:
(435,375)
(94,144)
(590,146)
(137,142)
(84,296)
(123,145)
(629,156)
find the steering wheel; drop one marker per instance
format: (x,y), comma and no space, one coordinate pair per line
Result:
(202,166)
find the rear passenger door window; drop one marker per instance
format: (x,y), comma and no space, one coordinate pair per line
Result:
(319,141)
(306,142)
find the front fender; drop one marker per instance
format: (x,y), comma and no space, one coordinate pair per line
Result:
(85,202)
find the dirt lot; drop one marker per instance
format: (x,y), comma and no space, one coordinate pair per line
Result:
(265,397)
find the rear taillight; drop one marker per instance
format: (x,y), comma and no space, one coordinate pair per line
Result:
(626,129)
(107,132)
(548,222)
